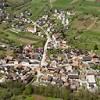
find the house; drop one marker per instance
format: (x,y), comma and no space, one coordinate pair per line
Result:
(34,61)
(9,58)
(3,46)
(2,62)
(73,75)
(91,82)
(2,4)
(2,15)
(23,63)
(53,64)
(87,58)
(91,79)
(69,68)
(31,29)
(73,87)
(2,80)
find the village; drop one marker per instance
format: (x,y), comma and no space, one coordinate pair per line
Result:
(67,66)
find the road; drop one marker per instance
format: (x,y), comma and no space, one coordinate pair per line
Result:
(46,44)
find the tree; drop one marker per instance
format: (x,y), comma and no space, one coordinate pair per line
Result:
(5,94)
(65,93)
(28,90)
(96,47)
(84,95)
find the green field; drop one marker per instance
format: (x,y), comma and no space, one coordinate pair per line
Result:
(10,37)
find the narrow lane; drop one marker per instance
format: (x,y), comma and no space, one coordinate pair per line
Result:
(46,44)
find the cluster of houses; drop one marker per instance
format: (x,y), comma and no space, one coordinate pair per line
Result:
(21,21)
(70,68)
(67,67)
(62,16)
(20,68)
(2,11)
(16,21)
(49,21)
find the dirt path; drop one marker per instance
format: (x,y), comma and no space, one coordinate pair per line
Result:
(51,2)
(90,26)
(38,97)
(74,1)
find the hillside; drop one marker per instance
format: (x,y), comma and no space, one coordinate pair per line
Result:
(85,23)
(49,49)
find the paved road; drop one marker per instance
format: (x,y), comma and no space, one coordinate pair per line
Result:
(46,44)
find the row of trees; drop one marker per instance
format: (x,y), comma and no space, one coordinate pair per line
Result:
(12,90)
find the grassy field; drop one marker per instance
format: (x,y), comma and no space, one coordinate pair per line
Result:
(86,26)
(7,36)
(24,38)
(61,3)
(37,7)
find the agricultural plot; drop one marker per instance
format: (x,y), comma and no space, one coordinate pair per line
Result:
(61,3)
(85,34)
(84,30)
